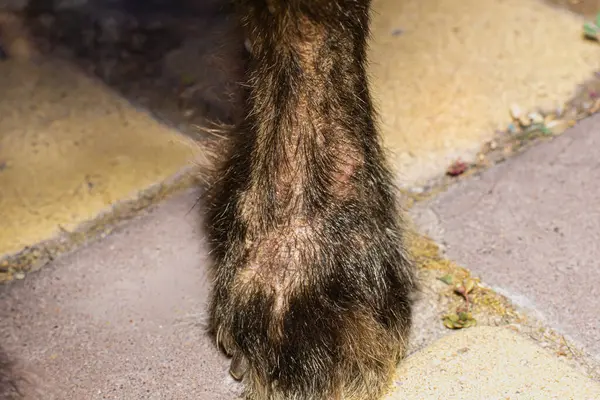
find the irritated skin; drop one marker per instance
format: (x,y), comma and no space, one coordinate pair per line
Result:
(313,287)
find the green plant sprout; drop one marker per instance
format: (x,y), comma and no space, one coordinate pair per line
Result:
(591,30)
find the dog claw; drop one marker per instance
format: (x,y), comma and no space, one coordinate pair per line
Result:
(238,367)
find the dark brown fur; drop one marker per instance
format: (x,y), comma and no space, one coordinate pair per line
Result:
(313,286)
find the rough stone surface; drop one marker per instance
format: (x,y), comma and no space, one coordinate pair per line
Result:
(70,148)
(445,73)
(122,318)
(531,228)
(489,363)
(438,98)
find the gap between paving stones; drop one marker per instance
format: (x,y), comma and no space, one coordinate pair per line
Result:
(515,140)
(489,308)
(37,256)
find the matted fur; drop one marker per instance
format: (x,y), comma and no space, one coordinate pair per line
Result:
(312,286)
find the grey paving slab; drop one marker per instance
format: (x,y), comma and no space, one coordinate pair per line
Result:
(531,228)
(122,318)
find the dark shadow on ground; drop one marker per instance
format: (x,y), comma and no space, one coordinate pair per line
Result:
(182,60)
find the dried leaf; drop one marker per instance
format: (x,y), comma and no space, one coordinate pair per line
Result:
(448,324)
(469,285)
(515,111)
(470,323)
(459,288)
(457,168)
(536,118)
(447,279)
(465,316)
(458,325)
(459,321)
(525,121)
(557,126)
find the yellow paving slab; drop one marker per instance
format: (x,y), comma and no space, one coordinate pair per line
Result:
(489,363)
(445,72)
(69,149)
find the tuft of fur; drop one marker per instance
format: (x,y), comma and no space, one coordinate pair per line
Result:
(313,285)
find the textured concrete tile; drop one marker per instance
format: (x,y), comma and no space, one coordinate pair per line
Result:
(445,72)
(123,318)
(492,364)
(70,148)
(531,227)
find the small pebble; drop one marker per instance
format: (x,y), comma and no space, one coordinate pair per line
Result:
(524,121)
(536,117)
(557,126)
(596,107)
(512,128)
(515,111)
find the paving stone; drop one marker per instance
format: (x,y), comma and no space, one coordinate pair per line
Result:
(530,228)
(492,364)
(122,318)
(71,148)
(445,73)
